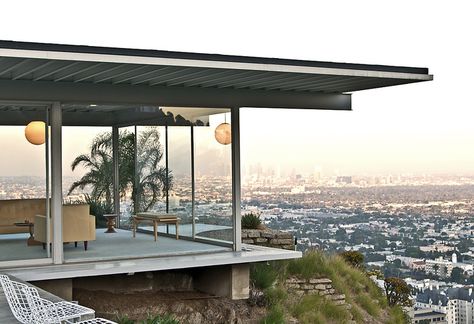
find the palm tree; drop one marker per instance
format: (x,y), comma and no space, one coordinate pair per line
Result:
(152,180)
(148,180)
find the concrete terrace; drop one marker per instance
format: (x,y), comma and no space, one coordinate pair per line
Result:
(115,246)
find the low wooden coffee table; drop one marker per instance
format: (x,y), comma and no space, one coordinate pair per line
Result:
(31,240)
(156,219)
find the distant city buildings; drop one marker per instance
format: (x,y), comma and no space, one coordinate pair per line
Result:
(456,303)
(439,267)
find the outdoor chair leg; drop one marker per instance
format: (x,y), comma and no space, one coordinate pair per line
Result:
(177,230)
(75,244)
(155,229)
(44,246)
(85,245)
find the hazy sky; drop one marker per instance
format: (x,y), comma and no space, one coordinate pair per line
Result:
(424,127)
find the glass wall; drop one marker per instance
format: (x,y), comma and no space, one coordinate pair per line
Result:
(88,191)
(213,178)
(150,188)
(23,183)
(156,172)
(88,169)
(126,166)
(179,165)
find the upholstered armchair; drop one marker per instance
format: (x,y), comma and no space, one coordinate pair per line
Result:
(78,225)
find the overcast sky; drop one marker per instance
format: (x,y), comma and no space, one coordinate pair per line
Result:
(420,128)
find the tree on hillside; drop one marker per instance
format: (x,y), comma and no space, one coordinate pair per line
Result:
(341,234)
(414,252)
(146,179)
(457,275)
(354,258)
(397,292)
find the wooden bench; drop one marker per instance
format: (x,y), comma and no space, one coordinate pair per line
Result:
(156,219)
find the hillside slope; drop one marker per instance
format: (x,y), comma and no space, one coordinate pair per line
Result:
(365,302)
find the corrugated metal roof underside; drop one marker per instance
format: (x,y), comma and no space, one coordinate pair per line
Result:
(33,69)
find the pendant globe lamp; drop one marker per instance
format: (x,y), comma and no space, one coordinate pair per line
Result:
(223,133)
(35,132)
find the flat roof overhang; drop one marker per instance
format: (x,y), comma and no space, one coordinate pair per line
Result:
(250,254)
(69,73)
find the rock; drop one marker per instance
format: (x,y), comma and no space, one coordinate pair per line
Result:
(251,233)
(339,302)
(261,240)
(284,235)
(293,286)
(295,280)
(320,281)
(247,241)
(299,293)
(320,287)
(281,241)
(195,318)
(268,234)
(337,297)
(288,247)
(307,286)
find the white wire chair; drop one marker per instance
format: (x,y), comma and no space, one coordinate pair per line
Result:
(47,312)
(16,298)
(17,294)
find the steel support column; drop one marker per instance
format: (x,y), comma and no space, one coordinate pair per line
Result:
(236,194)
(48,200)
(136,181)
(193,185)
(167,174)
(115,157)
(56,182)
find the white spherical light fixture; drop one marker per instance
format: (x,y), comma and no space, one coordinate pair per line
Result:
(35,132)
(223,134)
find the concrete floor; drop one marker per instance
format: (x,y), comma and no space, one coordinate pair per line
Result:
(118,245)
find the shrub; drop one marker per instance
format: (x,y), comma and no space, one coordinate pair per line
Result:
(274,316)
(98,209)
(251,221)
(160,319)
(318,309)
(312,264)
(368,304)
(398,316)
(354,258)
(275,296)
(263,275)
(124,320)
